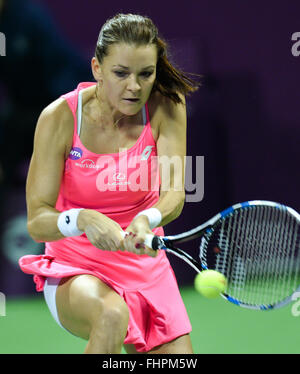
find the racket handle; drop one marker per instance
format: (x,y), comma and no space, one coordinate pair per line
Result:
(154,242)
(151,240)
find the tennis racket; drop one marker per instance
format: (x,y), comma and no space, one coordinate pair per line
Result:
(255,244)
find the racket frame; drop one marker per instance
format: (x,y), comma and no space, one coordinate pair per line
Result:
(167,243)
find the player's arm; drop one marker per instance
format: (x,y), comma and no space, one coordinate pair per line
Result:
(52,135)
(171,148)
(52,143)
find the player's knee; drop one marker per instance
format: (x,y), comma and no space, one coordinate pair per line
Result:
(116,316)
(110,316)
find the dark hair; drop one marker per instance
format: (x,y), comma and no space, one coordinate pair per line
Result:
(140,30)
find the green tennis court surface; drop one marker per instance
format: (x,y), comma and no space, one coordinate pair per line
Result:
(218,327)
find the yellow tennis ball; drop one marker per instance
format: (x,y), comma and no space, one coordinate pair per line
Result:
(210,283)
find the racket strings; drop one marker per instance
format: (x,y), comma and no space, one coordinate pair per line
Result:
(279,250)
(292,267)
(257,249)
(272,262)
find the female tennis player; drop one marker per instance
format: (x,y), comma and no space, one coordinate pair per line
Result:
(94,192)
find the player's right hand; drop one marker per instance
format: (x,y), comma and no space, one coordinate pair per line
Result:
(101,231)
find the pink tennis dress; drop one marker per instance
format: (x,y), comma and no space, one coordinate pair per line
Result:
(118,185)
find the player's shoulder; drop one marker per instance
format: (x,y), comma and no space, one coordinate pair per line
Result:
(164,105)
(161,100)
(57,111)
(165,111)
(56,118)
(55,125)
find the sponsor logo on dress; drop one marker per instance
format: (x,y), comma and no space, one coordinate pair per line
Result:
(159,173)
(119,180)
(75,153)
(146,153)
(88,164)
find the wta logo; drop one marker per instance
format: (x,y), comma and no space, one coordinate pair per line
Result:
(75,153)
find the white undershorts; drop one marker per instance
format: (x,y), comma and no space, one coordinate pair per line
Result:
(50,288)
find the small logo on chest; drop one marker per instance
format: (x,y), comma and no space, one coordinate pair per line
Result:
(146,153)
(75,153)
(119,179)
(88,164)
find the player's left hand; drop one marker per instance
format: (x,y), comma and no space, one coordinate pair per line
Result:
(134,240)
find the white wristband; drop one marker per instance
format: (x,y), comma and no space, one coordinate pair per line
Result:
(154,216)
(67,223)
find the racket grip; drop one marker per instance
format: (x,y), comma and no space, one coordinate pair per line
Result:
(151,240)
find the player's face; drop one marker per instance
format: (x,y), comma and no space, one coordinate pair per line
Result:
(128,73)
